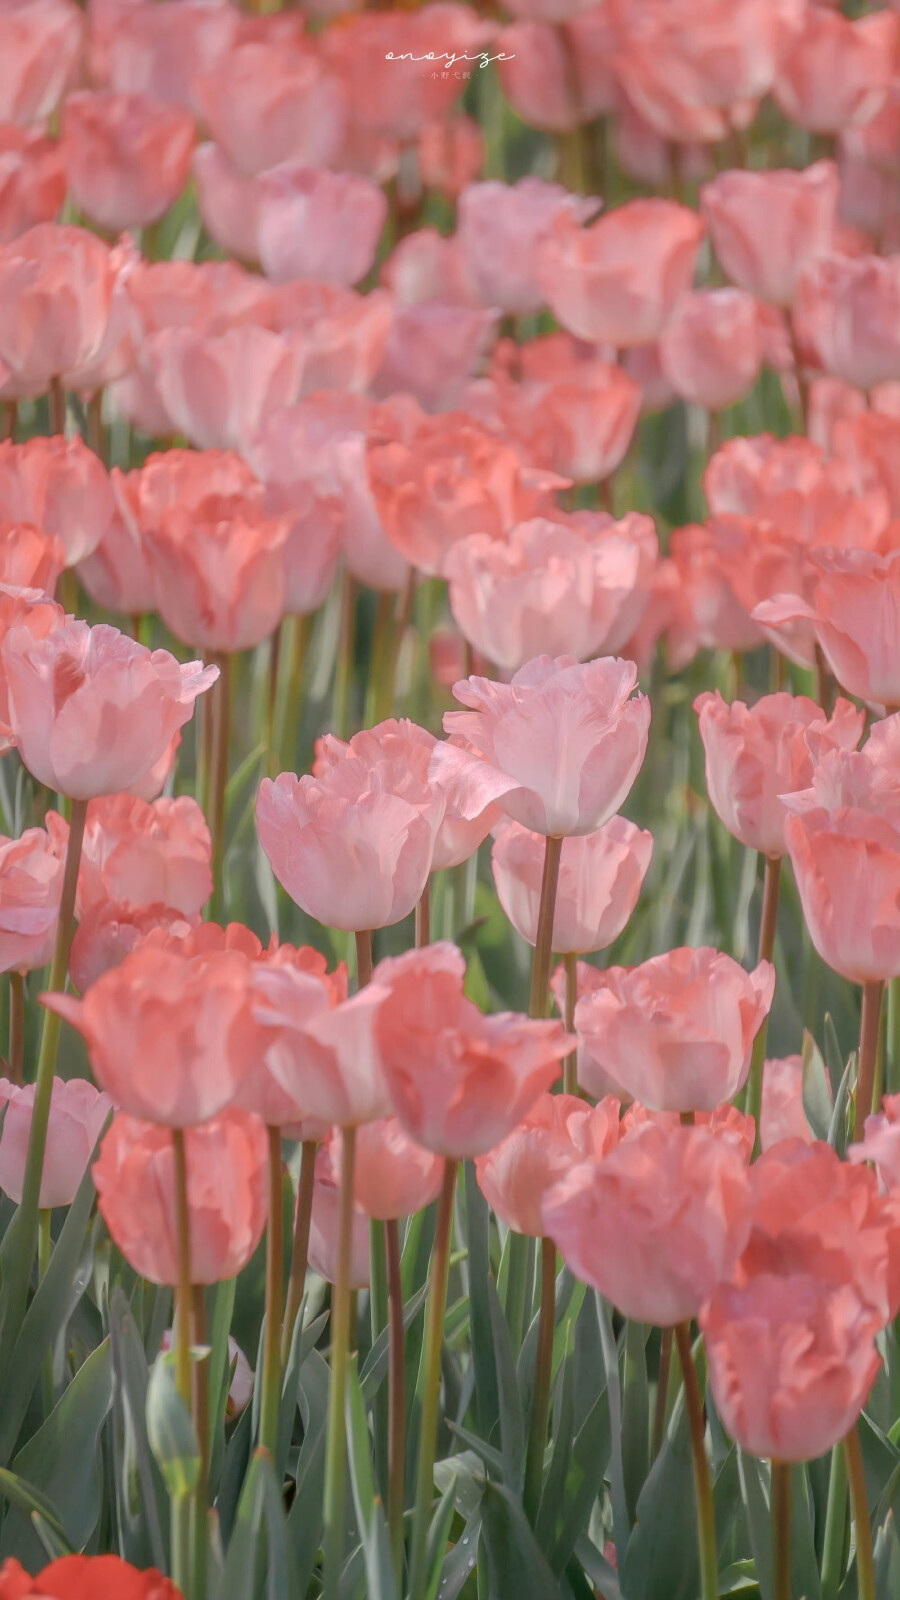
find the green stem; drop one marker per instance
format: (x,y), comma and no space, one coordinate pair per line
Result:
(340,714)
(543,950)
(781,1530)
(181,1504)
(437,1299)
(767,929)
(662,1391)
(518,1286)
(221,726)
(200,1502)
(379,1316)
(271,1374)
(570,1065)
(363,958)
(45,1246)
(57,405)
(27,1215)
(336,1452)
(835,1526)
(423,917)
(892,1072)
(865,1567)
(869,1027)
(397,1423)
(706,1517)
(300,1248)
(543,1372)
(16,1026)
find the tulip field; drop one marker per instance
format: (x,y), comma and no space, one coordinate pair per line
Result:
(450,800)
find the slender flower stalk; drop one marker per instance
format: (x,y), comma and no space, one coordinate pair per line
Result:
(570,1065)
(220,711)
(434,1338)
(706,1517)
(199,1533)
(336,1450)
(16,1026)
(543,950)
(543,1372)
(423,917)
(363,959)
(865,1566)
(27,1216)
(271,1374)
(343,674)
(662,1391)
(767,929)
(182,1515)
(781,1530)
(300,1249)
(397,1390)
(869,1028)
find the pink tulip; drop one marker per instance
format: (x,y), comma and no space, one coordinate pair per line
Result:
(321,1051)
(556,77)
(149,51)
(848,317)
(139,855)
(835,72)
(325,1225)
(451,154)
(676,1032)
(791,1363)
(56,291)
(600,878)
(353,847)
(32,180)
(264,104)
(30,559)
(500,229)
(577,422)
(868,442)
(393,1176)
(91,711)
(78,1113)
(656,1224)
(426,267)
(795,213)
(432,351)
(118,574)
(220,572)
(756,754)
(881,1144)
(711,352)
(108,932)
(380,65)
(226,1188)
(851,609)
(59,486)
(127,157)
(558,748)
(782,1115)
(40,42)
(459,1081)
(217,388)
(318,224)
(557,1132)
(228,202)
(28,608)
(618,282)
(31,879)
(789,483)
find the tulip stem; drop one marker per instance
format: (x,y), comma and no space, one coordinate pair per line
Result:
(271,1374)
(340,713)
(336,1454)
(767,929)
(662,1391)
(543,1372)
(423,917)
(706,1516)
(869,1028)
(397,1419)
(363,958)
(570,1065)
(181,1503)
(543,949)
(865,1566)
(835,1526)
(57,405)
(200,1536)
(781,1530)
(27,1215)
(300,1248)
(16,1026)
(892,1063)
(221,726)
(437,1299)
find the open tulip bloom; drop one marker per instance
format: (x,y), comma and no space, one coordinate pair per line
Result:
(449,800)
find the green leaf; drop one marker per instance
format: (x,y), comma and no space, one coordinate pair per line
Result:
(635,1415)
(512,1421)
(29,1500)
(487,1400)
(63,1462)
(436,1549)
(584,1481)
(462,1472)
(305,1516)
(259,1563)
(460,1559)
(170,1430)
(887,1560)
(805,1579)
(598,1569)
(838,1129)
(517,1569)
(375,1366)
(756,1505)
(141,1504)
(621,1522)
(662,1560)
(817,1101)
(66,1278)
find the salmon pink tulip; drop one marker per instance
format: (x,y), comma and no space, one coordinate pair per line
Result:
(141,854)
(32,180)
(835,72)
(318,224)
(320,1048)
(600,878)
(40,42)
(59,486)
(767,227)
(499,230)
(712,350)
(851,609)
(31,878)
(846,318)
(127,157)
(324,1225)
(393,1176)
(56,301)
(559,1131)
(78,1114)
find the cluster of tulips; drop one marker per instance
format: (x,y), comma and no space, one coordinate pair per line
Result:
(399,1196)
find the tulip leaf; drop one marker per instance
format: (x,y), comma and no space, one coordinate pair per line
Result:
(438,1534)
(816,1088)
(621,1523)
(370,1518)
(171,1430)
(459,1560)
(756,1505)
(141,1504)
(662,1560)
(258,1565)
(517,1568)
(635,1415)
(29,1500)
(487,1399)
(804,1566)
(598,1569)
(305,1516)
(887,1560)
(63,1462)
(375,1366)
(839,1127)
(512,1420)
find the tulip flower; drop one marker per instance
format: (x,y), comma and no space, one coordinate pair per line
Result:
(78,1114)
(127,156)
(795,213)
